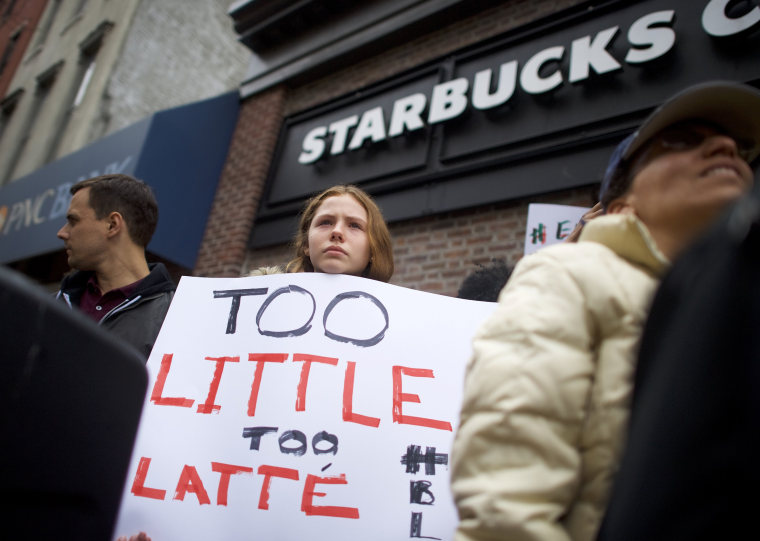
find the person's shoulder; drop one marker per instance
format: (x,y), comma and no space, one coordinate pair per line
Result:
(158,280)
(565,253)
(566,266)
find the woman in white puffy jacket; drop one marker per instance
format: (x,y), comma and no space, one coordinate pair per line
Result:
(547,390)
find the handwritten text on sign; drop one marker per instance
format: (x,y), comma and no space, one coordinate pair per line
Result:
(300,406)
(549,224)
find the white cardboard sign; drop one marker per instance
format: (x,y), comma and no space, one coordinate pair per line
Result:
(300,406)
(549,224)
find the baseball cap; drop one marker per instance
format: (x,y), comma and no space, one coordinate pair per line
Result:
(732,106)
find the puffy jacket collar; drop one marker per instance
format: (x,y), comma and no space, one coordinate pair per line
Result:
(628,237)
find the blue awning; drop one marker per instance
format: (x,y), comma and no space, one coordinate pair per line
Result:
(179,152)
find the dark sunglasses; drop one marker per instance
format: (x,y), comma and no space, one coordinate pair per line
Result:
(690,135)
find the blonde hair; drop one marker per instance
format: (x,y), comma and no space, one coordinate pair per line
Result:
(380,266)
(264,271)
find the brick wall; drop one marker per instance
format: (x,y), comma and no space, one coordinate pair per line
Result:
(435,254)
(21,22)
(223,249)
(432,254)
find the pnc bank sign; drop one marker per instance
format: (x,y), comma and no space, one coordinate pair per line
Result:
(649,37)
(46,204)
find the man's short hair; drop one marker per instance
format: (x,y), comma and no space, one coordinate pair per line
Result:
(128,196)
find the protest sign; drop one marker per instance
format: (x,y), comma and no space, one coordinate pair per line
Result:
(549,224)
(300,406)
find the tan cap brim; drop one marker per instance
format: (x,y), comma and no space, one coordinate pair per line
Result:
(732,106)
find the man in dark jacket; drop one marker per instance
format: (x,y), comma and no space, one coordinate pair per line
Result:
(109,223)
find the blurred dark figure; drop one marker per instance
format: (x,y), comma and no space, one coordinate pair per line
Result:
(693,440)
(71,394)
(485,283)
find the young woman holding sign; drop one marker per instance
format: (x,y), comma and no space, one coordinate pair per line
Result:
(341,231)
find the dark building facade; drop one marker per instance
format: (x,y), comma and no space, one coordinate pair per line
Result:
(454,115)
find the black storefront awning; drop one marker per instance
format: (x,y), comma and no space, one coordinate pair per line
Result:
(179,152)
